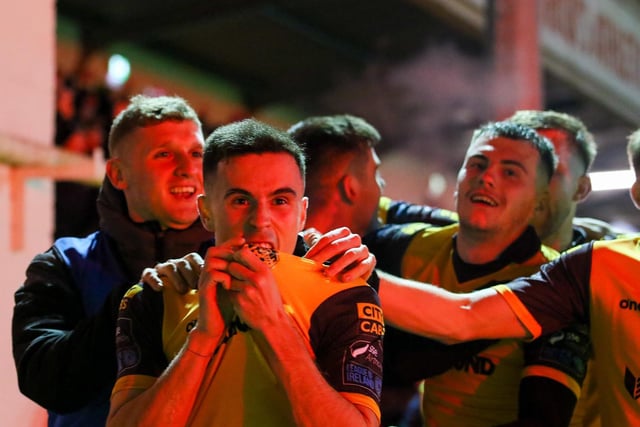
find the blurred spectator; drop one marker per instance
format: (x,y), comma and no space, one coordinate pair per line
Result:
(84,111)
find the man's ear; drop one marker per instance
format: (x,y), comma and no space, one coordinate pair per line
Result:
(349,187)
(542,202)
(303,213)
(634,191)
(584,188)
(115,173)
(205,214)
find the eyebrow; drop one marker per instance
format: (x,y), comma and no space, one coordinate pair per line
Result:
(506,162)
(169,144)
(280,191)
(515,163)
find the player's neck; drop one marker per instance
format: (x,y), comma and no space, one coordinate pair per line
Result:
(561,239)
(483,246)
(324,220)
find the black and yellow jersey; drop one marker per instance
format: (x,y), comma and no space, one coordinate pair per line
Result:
(596,283)
(341,322)
(481,389)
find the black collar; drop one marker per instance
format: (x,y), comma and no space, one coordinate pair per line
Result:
(523,248)
(141,245)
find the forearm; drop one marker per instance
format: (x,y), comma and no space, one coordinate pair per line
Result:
(429,311)
(63,358)
(313,400)
(420,309)
(168,401)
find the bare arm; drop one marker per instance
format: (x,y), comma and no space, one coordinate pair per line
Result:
(167,401)
(313,400)
(258,303)
(170,399)
(433,312)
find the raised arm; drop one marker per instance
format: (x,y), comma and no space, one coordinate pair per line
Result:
(350,259)
(257,300)
(312,399)
(169,399)
(433,312)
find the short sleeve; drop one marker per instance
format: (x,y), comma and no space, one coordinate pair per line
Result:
(555,297)
(346,335)
(139,349)
(561,356)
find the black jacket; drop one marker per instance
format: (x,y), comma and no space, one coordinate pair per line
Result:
(63,325)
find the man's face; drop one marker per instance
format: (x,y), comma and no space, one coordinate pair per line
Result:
(496,189)
(256,196)
(371,186)
(563,185)
(160,173)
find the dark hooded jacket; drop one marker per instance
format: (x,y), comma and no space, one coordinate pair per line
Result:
(63,327)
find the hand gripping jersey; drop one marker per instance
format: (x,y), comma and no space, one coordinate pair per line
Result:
(341,322)
(597,283)
(481,390)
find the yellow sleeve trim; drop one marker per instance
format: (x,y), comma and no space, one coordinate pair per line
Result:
(553,374)
(363,400)
(521,312)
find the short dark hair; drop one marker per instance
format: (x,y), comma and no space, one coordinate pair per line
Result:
(633,151)
(511,130)
(325,137)
(145,111)
(247,136)
(577,132)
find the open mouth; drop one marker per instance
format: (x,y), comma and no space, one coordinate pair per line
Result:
(484,200)
(185,191)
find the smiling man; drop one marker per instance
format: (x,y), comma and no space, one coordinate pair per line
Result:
(171,202)
(595,283)
(267,339)
(503,181)
(64,317)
